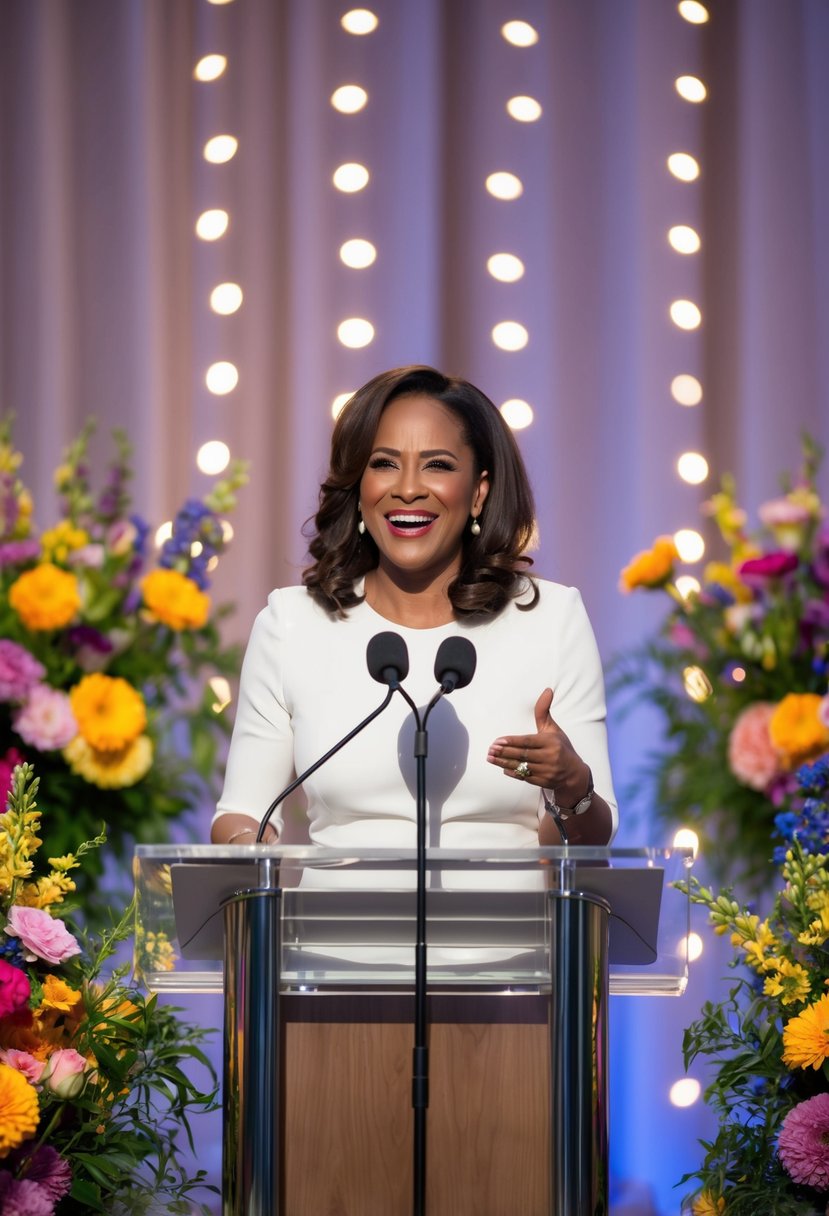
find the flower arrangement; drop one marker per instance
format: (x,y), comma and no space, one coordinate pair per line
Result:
(738,670)
(102,646)
(769,1040)
(92,1092)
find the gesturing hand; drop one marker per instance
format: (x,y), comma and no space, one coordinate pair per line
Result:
(546,759)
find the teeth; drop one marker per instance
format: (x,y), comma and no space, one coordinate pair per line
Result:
(410,519)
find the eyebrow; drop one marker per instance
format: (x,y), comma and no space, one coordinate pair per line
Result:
(427,452)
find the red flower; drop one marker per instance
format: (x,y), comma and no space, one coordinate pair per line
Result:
(15,989)
(770,565)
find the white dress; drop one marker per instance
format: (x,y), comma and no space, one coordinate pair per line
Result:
(305,684)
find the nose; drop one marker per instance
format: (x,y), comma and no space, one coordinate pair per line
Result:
(408,485)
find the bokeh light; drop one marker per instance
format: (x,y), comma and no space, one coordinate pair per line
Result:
(504,185)
(510,335)
(357,253)
(517,413)
(350,177)
(690,88)
(355,332)
(685,1092)
(226,298)
(212,224)
(686,389)
(524,109)
(213,457)
(692,467)
(221,378)
(685,314)
(684,239)
(519,33)
(210,67)
(683,166)
(220,149)
(505,267)
(359,21)
(349,98)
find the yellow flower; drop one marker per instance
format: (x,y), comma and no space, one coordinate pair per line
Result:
(787,980)
(19,1111)
(157,953)
(175,600)
(796,729)
(652,567)
(706,1205)
(113,770)
(60,541)
(45,891)
(110,713)
(726,576)
(45,598)
(58,995)
(806,1037)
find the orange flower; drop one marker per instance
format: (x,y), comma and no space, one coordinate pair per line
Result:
(175,600)
(19,1110)
(45,598)
(796,728)
(110,713)
(57,994)
(806,1037)
(652,567)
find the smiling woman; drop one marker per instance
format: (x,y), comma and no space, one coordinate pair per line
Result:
(424,520)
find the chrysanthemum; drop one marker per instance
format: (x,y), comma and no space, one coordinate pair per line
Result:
(651,568)
(706,1205)
(19,671)
(45,598)
(787,980)
(46,720)
(175,600)
(57,994)
(110,713)
(796,728)
(752,757)
(19,1112)
(806,1037)
(803,1146)
(113,770)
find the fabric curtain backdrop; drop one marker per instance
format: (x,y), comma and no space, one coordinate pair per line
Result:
(104,286)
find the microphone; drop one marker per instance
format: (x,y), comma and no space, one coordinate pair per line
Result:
(455,663)
(387,659)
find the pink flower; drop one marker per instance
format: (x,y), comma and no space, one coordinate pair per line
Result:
(64,1072)
(45,720)
(803,1145)
(7,767)
(22,1197)
(19,671)
(751,755)
(24,1062)
(15,989)
(756,571)
(41,935)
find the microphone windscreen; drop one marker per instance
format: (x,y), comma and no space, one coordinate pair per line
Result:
(455,662)
(387,657)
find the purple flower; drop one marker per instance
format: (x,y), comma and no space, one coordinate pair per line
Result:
(45,720)
(49,1170)
(803,1145)
(90,639)
(19,671)
(16,552)
(22,1197)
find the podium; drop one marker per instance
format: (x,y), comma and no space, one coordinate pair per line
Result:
(313,949)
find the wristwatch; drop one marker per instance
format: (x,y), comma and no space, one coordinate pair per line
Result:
(564,812)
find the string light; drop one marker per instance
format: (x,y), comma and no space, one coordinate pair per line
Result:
(691,88)
(692,467)
(683,166)
(686,389)
(684,239)
(338,403)
(220,149)
(210,67)
(351,177)
(519,33)
(212,224)
(693,11)
(524,109)
(686,838)
(359,21)
(689,544)
(504,185)
(685,1092)
(696,684)
(213,457)
(687,585)
(685,314)
(163,532)
(355,332)
(357,253)
(221,378)
(349,98)
(510,335)
(226,298)
(517,414)
(505,267)
(694,945)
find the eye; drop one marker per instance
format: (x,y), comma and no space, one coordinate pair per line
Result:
(445,466)
(381,462)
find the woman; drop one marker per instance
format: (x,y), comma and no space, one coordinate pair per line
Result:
(422,528)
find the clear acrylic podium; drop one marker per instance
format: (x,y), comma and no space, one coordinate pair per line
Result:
(307,937)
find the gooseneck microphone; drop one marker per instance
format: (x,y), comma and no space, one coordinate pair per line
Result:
(454,668)
(387,659)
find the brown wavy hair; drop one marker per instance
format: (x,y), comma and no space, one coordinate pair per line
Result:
(493,565)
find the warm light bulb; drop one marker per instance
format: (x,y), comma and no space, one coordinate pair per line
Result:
(519,33)
(694,946)
(690,88)
(338,403)
(524,109)
(685,1092)
(226,298)
(683,166)
(359,21)
(357,253)
(213,457)
(221,378)
(210,67)
(349,98)
(504,185)
(696,684)
(350,177)
(163,533)
(685,314)
(689,545)
(505,267)
(692,467)
(227,531)
(510,335)
(686,389)
(693,11)
(686,838)
(517,414)
(220,149)
(212,224)
(687,585)
(355,332)
(684,239)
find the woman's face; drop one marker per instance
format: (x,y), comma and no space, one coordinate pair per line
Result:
(419,489)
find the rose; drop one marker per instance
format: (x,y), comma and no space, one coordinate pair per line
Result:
(41,935)
(15,989)
(752,756)
(25,1062)
(64,1072)
(771,565)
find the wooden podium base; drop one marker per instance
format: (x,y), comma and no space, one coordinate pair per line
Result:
(348,1115)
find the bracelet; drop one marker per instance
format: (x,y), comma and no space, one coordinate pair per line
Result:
(241,832)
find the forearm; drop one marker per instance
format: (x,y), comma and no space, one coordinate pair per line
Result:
(239,829)
(595,826)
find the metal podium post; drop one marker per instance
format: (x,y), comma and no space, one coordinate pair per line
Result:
(578,1054)
(251,1153)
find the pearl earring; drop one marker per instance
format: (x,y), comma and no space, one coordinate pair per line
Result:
(361,527)
(475,527)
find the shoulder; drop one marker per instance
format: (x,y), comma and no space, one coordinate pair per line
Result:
(554,599)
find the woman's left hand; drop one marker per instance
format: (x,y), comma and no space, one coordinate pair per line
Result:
(548,757)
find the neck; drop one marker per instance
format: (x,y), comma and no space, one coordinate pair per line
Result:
(415,607)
